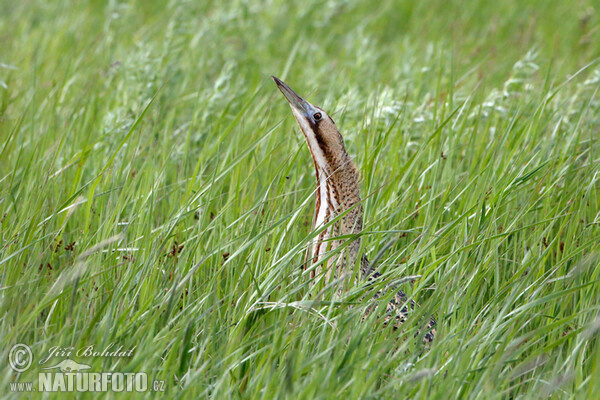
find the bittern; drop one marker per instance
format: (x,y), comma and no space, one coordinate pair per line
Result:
(337,195)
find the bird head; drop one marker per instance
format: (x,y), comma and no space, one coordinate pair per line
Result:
(323,137)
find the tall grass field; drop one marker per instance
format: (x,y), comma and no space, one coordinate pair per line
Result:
(157,195)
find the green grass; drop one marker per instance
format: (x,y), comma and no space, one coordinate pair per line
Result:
(155,192)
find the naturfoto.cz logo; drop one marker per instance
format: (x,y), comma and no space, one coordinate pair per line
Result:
(71,376)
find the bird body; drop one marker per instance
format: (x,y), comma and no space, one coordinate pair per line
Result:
(338,195)
(337,190)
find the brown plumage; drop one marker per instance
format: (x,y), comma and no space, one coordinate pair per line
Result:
(337,193)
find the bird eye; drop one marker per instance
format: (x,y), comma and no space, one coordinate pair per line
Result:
(317,116)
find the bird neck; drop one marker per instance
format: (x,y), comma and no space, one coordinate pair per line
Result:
(337,193)
(337,188)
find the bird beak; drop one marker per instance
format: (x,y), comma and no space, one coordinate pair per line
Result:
(297,102)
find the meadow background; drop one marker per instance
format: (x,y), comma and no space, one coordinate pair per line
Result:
(155,192)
